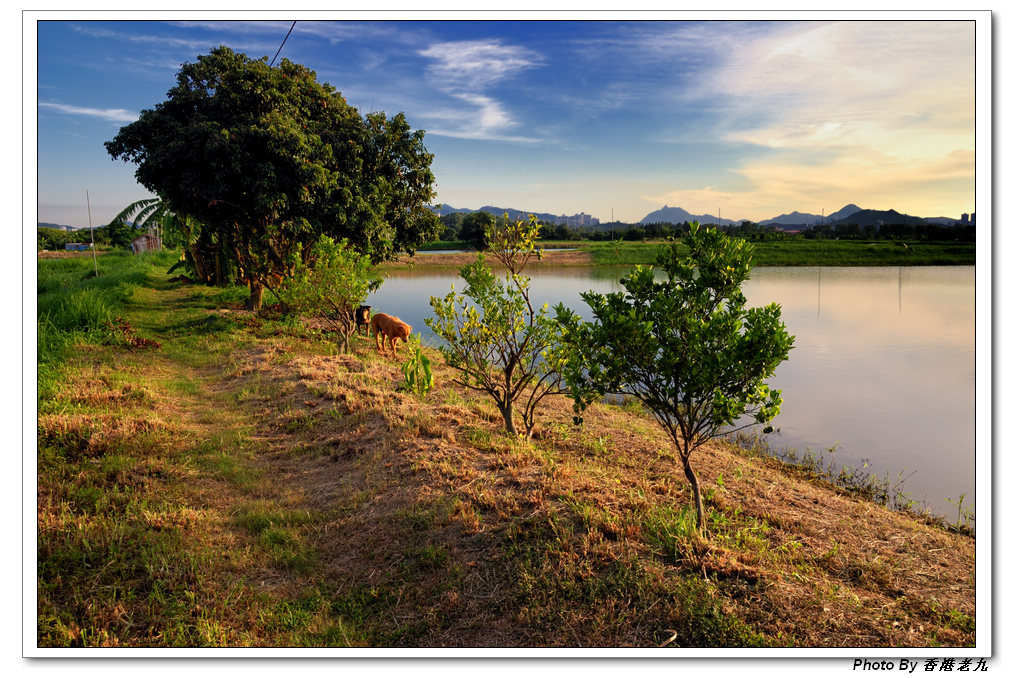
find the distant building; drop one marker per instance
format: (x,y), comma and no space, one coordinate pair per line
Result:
(581,219)
(77,246)
(146,243)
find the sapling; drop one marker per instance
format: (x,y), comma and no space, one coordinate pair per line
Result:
(493,337)
(685,345)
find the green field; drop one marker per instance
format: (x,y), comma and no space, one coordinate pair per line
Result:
(800,252)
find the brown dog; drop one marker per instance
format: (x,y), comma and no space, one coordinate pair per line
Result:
(387,327)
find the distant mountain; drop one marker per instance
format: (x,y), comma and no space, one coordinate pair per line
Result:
(792,219)
(677,215)
(512,213)
(842,213)
(877,217)
(849,214)
(807,219)
(444,210)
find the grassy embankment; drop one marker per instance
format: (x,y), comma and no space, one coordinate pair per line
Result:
(787,252)
(239,484)
(799,252)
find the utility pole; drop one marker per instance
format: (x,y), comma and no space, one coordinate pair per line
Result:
(92,229)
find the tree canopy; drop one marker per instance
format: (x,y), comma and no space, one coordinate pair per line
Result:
(271,159)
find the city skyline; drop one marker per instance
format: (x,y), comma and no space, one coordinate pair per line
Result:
(610,118)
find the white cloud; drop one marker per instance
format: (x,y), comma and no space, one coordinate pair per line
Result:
(475,64)
(904,88)
(465,70)
(853,111)
(141,38)
(110,114)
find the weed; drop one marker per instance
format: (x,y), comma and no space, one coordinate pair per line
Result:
(672,532)
(965,516)
(299,420)
(419,377)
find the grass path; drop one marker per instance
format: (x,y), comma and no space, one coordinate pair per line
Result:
(242,485)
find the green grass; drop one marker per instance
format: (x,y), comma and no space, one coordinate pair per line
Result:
(799,252)
(75,305)
(802,252)
(622,253)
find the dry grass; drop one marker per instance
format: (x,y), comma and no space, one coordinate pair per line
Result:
(278,495)
(788,556)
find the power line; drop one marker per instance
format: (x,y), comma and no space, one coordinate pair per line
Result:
(281,45)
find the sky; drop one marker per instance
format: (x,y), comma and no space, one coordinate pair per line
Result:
(612,118)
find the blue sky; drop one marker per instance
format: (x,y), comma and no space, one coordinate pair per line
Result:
(605,117)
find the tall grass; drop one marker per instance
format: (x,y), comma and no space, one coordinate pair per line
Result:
(76,305)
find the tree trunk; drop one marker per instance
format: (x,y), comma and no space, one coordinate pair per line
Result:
(702,525)
(219,278)
(256,293)
(507,412)
(199,266)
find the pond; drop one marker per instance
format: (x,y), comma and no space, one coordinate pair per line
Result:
(883,367)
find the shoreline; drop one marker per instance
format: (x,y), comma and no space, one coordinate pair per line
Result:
(767,254)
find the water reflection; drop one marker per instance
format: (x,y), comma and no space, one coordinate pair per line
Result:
(883,365)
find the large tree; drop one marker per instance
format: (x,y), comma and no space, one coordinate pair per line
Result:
(270,159)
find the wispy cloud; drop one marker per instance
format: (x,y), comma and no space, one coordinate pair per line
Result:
(109,114)
(466,65)
(141,38)
(846,109)
(466,71)
(885,85)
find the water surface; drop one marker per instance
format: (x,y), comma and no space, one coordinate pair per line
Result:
(883,366)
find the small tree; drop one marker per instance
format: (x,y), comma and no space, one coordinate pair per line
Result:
(120,233)
(501,345)
(330,284)
(685,346)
